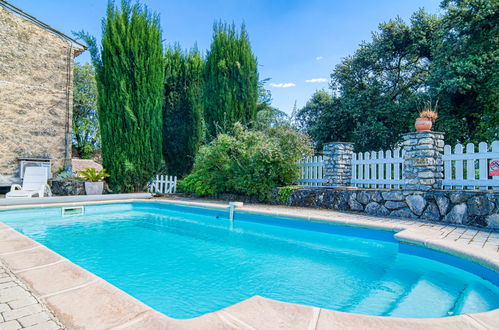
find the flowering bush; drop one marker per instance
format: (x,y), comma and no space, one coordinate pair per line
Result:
(248,162)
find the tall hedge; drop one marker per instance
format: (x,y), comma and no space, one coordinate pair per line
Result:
(231,79)
(182,110)
(130,81)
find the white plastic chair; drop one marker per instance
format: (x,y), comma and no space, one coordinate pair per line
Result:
(34,183)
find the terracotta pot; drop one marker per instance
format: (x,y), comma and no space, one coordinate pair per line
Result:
(423,124)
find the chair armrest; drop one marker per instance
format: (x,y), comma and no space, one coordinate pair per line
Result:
(47,190)
(16,187)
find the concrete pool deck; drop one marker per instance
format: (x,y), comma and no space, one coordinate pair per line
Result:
(81,300)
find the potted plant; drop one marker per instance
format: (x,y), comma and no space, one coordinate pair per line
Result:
(427,117)
(94,184)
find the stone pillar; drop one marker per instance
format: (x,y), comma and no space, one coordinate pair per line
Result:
(338,163)
(423,166)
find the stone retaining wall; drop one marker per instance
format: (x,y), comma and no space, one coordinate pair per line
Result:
(67,188)
(474,208)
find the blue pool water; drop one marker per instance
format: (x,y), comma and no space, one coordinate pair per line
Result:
(186,261)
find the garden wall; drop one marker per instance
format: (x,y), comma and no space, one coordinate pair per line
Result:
(474,208)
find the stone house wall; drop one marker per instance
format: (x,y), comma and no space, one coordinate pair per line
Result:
(34,84)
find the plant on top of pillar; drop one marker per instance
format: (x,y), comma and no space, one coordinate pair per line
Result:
(427,117)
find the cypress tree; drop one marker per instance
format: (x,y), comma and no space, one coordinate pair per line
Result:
(230,79)
(182,110)
(129,73)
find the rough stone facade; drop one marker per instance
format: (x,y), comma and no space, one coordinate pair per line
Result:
(35,79)
(338,163)
(475,208)
(423,165)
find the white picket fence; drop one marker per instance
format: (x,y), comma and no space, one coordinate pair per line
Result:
(470,169)
(378,169)
(163,184)
(312,171)
(464,168)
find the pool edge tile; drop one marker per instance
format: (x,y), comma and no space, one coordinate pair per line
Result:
(329,319)
(259,313)
(13,241)
(56,277)
(98,305)
(489,320)
(27,259)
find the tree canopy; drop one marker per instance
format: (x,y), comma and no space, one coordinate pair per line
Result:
(377,91)
(130,80)
(86,136)
(183,128)
(230,80)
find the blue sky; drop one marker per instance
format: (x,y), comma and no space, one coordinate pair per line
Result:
(295,40)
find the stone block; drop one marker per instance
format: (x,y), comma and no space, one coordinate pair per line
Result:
(47,325)
(458,197)
(376,209)
(416,203)
(376,197)
(422,161)
(395,205)
(428,140)
(363,197)
(424,147)
(21,312)
(479,205)
(10,325)
(393,195)
(442,204)
(403,213)
(354,204)
(34,319)
(426,174)
(431,212)
(458,214)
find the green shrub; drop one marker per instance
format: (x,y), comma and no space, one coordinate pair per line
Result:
(285,192)
(248,162)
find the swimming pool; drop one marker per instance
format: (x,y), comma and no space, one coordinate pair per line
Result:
(185,261)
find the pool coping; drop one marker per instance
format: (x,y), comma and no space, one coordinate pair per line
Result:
(81,299)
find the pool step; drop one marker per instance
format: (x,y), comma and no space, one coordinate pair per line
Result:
(431,296)
(388,291)
(475,299)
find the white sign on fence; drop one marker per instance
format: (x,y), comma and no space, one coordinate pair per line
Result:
(163,184)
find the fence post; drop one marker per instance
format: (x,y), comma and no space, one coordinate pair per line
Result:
(423,168)
(338,163)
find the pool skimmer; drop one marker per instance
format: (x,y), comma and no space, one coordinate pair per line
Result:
(72,210)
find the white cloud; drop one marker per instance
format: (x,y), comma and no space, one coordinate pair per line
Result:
(283,85)
(316,80)
(318,58)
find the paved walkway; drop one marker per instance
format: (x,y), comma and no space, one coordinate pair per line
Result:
(19,309)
